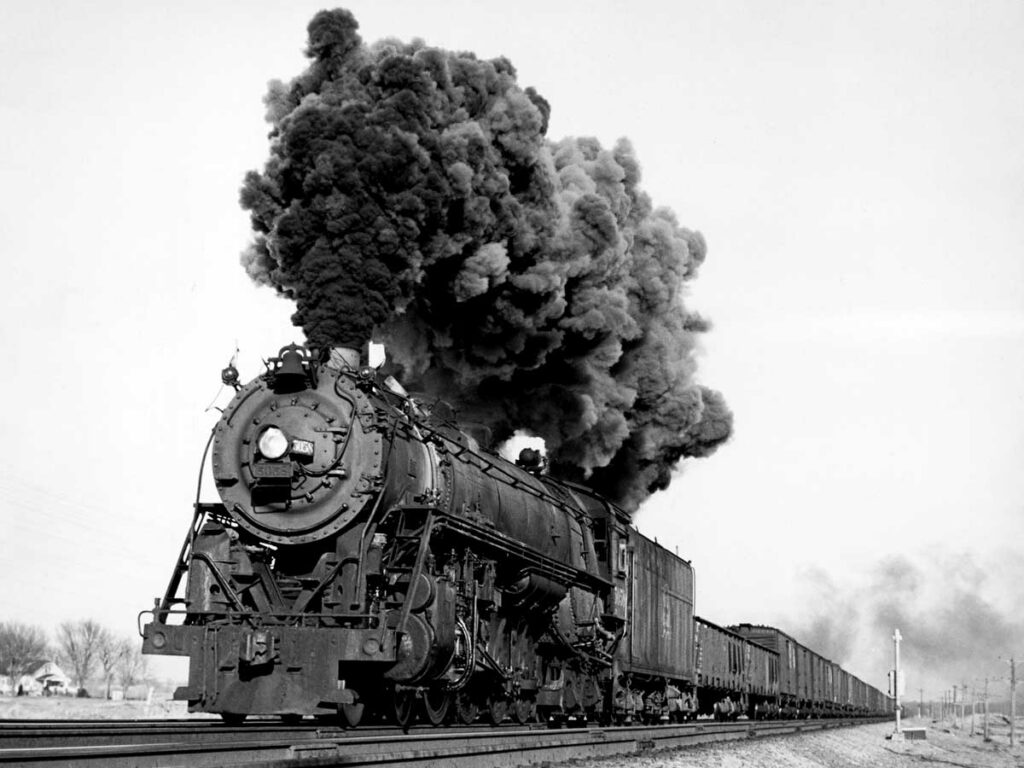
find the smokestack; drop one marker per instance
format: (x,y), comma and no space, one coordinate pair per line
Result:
(344,359)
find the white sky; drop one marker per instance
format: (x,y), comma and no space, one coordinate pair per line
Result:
(856,168)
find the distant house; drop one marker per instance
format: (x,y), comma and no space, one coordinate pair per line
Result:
(44,679)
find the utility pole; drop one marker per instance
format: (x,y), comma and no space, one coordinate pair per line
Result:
(954,706)
(1013,698)
(920,703)
(974,700)
(896,637)
(986,709)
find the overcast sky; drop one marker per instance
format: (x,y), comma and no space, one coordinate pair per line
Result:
(858,173)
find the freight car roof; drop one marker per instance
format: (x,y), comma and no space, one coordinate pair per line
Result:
(669,552)
(749,627)
(728,631)
(767,628)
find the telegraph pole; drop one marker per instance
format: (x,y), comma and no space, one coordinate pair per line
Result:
(896,637)
(986,709)
(974,701)
(1013,698)
(920,703)
(954,706)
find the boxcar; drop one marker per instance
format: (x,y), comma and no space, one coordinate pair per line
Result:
(734,675)
(840,690)
(763,680)
(719,657)
(821,690)
(801,671)
(858,695)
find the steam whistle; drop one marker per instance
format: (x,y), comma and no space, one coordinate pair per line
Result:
(532,460)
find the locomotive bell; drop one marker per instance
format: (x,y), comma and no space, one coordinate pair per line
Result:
(290,374)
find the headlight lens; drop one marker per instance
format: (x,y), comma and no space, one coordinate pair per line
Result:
(273,443)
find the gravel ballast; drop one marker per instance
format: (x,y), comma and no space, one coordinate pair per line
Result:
(858,747)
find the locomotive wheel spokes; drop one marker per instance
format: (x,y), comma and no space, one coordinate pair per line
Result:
(351,714)
(497,709)
(524,710)
(436,704)
(466,709)
(404,707)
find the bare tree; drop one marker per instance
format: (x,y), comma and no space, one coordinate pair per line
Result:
(131,663)
(20,646)
(78,643)
(108,651)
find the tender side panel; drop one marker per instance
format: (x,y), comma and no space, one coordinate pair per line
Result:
(660,624)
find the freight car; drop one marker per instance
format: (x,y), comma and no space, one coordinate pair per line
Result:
(809,684)
(655,662)
(368,556)
(734,675)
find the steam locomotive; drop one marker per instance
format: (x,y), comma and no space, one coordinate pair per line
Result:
(369,557)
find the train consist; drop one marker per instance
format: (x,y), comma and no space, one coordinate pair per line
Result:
(369,558)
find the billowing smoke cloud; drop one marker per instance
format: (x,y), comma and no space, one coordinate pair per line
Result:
(957,613)
(412,196)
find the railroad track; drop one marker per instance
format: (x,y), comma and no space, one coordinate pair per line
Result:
(266,744)
(28,734)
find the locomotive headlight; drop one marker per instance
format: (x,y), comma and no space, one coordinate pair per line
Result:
(273,443)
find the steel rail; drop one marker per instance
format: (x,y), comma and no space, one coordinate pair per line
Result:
(32,734)
(28,734)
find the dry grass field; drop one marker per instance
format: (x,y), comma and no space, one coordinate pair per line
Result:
(69,708)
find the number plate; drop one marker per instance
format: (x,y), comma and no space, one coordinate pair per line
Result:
(272,470)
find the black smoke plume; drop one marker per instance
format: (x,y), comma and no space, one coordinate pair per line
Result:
(411,196)
(958,614)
